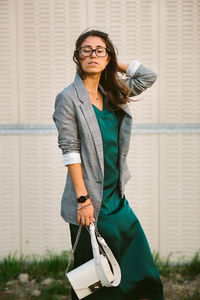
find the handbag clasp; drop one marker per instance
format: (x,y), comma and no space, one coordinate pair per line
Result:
(96,286)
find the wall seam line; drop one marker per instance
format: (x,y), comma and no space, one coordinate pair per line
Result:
(159,148)
(19,140)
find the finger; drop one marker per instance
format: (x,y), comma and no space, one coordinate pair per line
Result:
(87,222)
(91,220)
(82,221)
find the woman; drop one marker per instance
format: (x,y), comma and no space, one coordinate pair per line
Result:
(94,128)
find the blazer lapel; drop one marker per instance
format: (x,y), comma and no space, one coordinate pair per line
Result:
(89,114)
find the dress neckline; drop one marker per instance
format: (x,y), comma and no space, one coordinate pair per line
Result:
(98,108)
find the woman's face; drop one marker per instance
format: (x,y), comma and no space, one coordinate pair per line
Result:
(93,64)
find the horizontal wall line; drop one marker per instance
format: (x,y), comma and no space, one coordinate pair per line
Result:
(18,129)
(166,128)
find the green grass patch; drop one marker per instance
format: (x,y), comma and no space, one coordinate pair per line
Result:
(163,264)
(188,269)
(191,268)
(58,288)
(51,265)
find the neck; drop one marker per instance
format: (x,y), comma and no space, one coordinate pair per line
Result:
(91,82)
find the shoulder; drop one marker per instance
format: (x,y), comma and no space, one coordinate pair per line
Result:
(67,96)
(67,93)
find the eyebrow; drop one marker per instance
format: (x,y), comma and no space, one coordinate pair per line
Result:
(91,46)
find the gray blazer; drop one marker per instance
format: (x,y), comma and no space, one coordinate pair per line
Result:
(79,133)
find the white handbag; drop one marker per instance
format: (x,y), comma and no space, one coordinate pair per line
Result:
(97,272)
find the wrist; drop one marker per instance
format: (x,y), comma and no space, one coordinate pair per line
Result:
(122,67)
(88,201)
(84,205)
(82,198)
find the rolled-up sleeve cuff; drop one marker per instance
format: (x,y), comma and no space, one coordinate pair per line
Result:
(71,158)
(132,68)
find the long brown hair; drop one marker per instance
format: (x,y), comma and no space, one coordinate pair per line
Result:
(117,92)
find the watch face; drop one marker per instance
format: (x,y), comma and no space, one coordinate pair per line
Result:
(82,199)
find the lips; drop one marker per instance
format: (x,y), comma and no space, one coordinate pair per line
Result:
(93,63)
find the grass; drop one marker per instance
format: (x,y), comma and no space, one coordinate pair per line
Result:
(164,265)
(54,289)
(188,269)
(53,265)
(192,268)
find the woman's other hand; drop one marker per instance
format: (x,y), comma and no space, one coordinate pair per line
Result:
(122,67)
(85,213)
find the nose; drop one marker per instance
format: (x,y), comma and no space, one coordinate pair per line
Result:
(93,53)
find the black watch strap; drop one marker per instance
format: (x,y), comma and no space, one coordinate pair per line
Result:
(82,199)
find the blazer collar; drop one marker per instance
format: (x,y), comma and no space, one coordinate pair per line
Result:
(84,96)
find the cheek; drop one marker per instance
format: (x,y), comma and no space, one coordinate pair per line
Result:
(82,62)
(108,59)
(106,63)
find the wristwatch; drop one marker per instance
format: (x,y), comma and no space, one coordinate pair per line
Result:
(82,199)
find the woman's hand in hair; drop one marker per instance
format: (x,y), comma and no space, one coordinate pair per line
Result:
(122,67)
(86,213)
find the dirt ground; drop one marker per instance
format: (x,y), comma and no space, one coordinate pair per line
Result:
(180,289)
(177,289)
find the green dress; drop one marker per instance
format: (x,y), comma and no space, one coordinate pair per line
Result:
(121,229)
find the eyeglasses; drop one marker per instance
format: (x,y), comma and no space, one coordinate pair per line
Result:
(87,51)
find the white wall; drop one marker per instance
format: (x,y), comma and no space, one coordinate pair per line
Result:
(37,41)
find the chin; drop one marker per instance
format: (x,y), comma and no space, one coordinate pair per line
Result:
(92,72)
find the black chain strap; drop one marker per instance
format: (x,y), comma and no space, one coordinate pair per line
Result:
(74,249)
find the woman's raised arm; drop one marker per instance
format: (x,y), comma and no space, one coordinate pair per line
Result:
(139,77)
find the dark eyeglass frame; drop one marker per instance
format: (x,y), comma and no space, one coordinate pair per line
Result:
(93,50)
